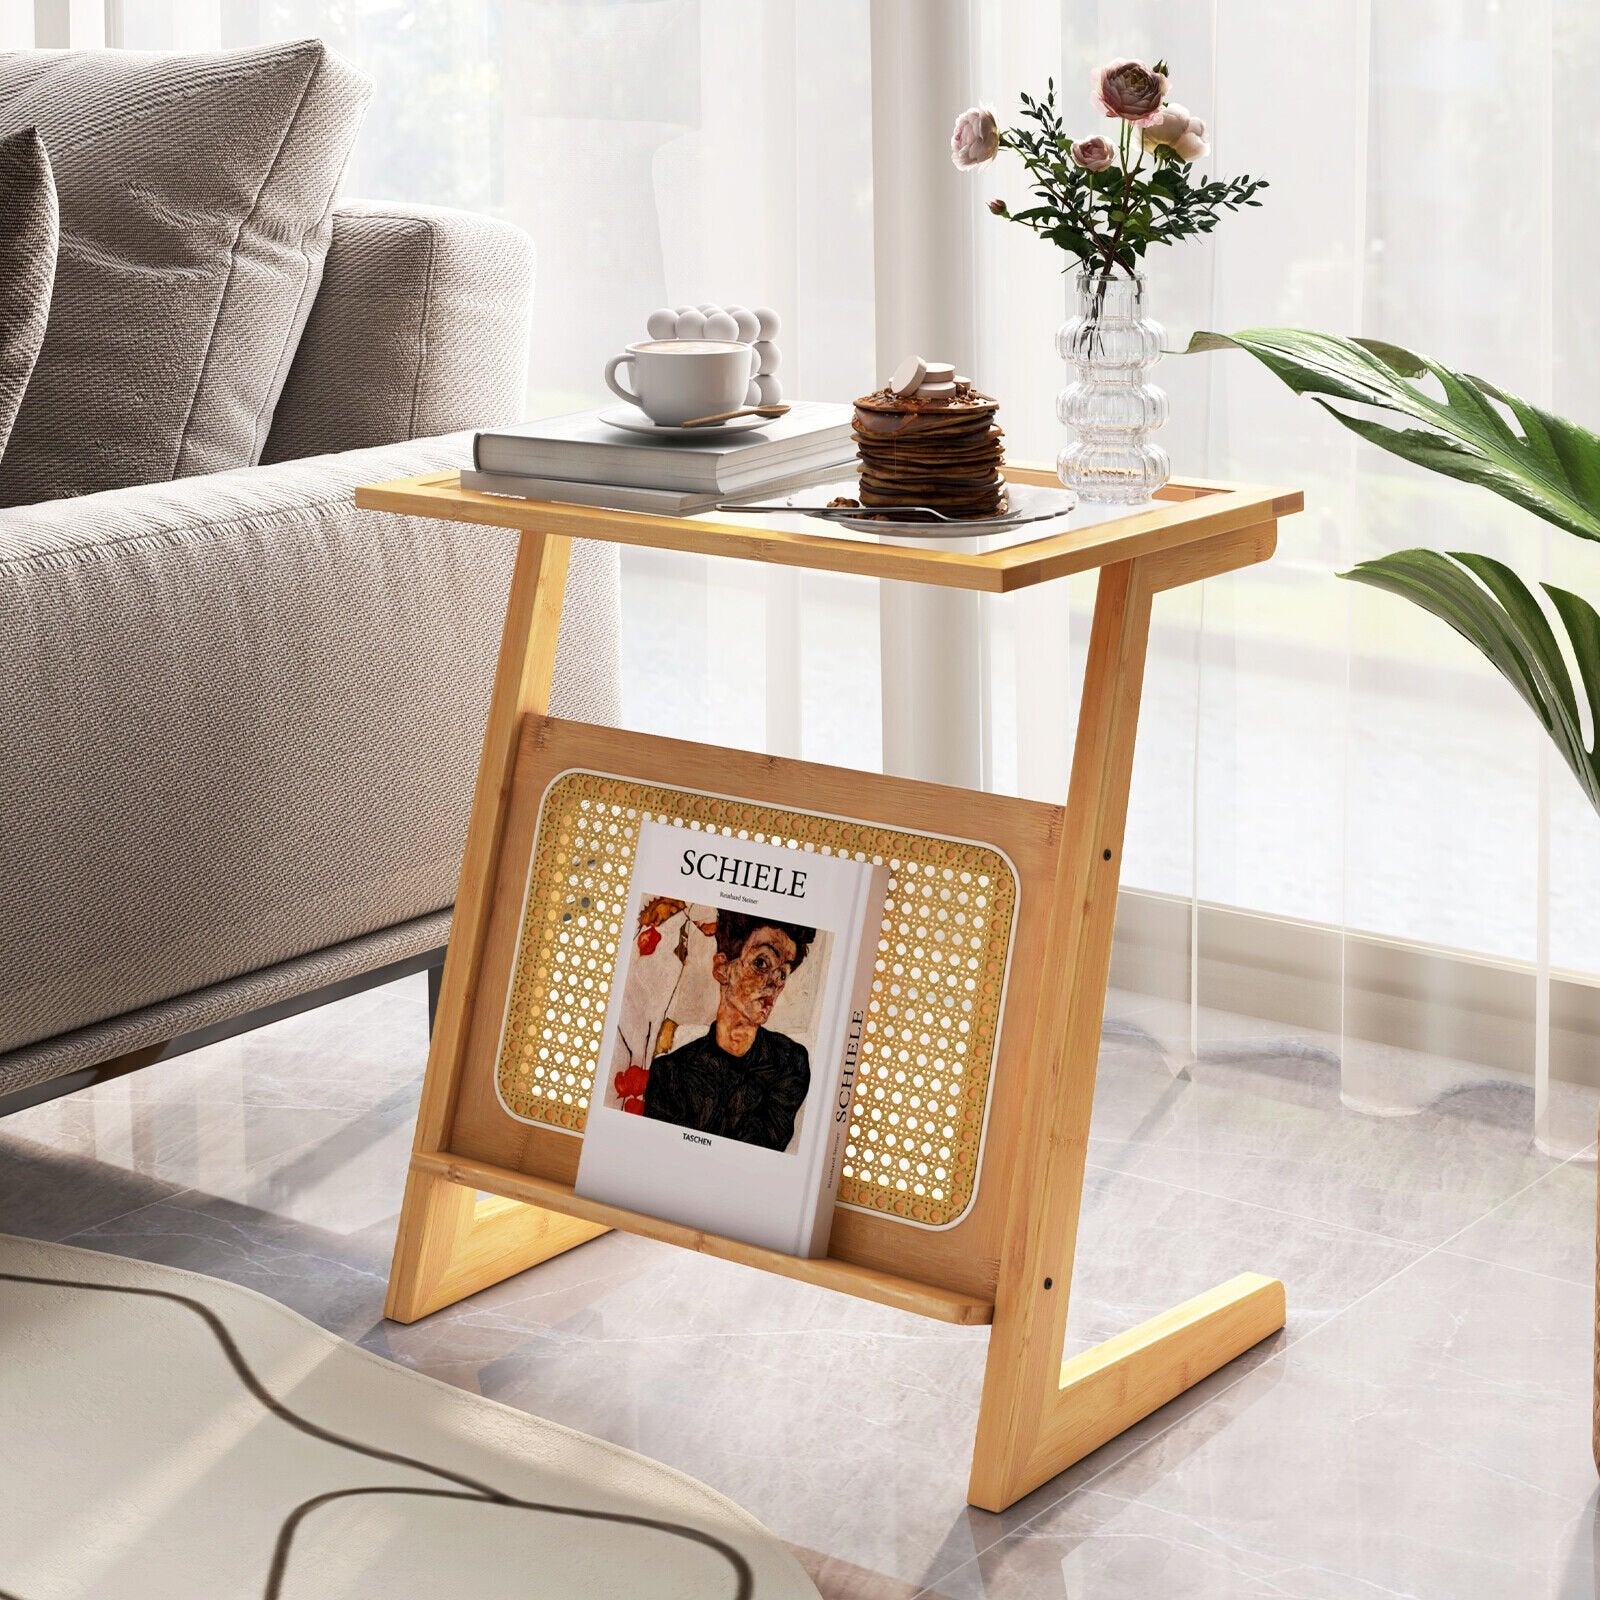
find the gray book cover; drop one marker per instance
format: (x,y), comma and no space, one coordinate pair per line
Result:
(581,448)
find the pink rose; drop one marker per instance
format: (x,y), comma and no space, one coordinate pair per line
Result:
(1093,155)
(1130,90)
(998,208)
(1179,132)
(975,141)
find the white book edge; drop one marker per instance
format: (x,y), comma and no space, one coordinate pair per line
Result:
(664,472)
(813,1241)
(626,497)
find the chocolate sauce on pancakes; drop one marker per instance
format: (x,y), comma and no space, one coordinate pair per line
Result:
(940,449)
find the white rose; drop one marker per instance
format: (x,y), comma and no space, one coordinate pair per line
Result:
(1182,134)
(1193,143)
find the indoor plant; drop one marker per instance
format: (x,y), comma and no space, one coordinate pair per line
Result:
(1477,432)
(1104,202)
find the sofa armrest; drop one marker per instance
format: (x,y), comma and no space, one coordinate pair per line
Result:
(239,722)
(420,327)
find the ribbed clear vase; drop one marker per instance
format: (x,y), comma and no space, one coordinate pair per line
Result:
(1111,344)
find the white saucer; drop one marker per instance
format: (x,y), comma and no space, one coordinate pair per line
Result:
(635,421)
(1028,503)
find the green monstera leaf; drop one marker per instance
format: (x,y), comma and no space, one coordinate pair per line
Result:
(1480,434)
(1550,467)
(1495,611)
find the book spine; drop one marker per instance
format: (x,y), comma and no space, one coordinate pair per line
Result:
(658,502)
(813,1240)
(576,461)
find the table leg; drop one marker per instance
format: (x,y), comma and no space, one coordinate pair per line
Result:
(450,1244)
(1038,1416)
(453,1244)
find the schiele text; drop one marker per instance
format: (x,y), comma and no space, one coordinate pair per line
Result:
(713,868)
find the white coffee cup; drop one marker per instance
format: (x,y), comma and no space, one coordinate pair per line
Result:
(680,379)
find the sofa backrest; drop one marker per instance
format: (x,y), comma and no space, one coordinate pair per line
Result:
(195,196)
(420,328)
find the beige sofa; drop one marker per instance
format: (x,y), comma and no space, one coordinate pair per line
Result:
(239,719)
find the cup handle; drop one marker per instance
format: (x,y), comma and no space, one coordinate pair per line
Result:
(614,386)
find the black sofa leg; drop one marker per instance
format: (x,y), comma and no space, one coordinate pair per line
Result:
(434,974)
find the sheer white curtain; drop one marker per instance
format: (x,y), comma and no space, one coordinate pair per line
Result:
(1346,837)
(1312,750)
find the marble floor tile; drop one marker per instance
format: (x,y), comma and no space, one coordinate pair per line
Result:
(1145,1245)
(49,1194)
(1330,1069)
(845,1426)
(1105,1545)
(1424,1388)
(268,1156)
(1265,1125)
(1431,1442)
(840,1580)
(310,1118)
(335,1279)
(1548,1227)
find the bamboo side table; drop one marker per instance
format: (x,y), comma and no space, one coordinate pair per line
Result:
(1006,1258)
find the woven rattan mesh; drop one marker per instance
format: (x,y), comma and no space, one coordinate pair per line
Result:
(932,1026)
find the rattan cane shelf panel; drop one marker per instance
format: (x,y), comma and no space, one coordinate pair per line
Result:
(933,1023)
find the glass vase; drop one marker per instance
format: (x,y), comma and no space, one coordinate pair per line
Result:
(1111,344)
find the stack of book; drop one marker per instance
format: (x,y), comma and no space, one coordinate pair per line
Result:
(585,461)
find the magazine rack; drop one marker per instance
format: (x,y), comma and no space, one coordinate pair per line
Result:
(956,1244)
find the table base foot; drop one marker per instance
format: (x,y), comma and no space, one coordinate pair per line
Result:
(1104,1391)
(451,1244)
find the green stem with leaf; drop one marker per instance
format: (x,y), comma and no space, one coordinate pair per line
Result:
(1106,221)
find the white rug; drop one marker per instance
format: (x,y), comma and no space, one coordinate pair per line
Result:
(166,1435)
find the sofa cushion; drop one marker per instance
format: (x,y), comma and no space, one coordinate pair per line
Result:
(27,264)
(196,194)
(421,327)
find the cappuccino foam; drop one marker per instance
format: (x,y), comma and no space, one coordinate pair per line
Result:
(688,347)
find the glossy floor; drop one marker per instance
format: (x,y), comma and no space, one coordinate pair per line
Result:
(1421,1428)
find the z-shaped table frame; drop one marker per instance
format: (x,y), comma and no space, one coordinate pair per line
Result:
(1037,1415)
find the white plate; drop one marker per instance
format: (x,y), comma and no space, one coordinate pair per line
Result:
(635,421)
(1029,503)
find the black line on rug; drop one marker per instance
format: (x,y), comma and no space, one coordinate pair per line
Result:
(241,1367)
(280,1559)
(479,1491)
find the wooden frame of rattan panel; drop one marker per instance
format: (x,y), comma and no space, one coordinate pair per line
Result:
(1009,1261)
(959,1264)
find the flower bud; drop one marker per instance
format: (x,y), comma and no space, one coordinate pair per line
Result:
(1093,155)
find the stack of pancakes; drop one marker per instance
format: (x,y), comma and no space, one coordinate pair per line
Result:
(940,450)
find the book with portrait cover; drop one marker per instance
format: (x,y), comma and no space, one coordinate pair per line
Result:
(732,1036)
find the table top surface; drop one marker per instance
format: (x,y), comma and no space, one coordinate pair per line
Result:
(1185,512)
